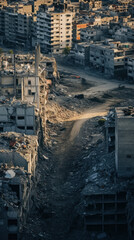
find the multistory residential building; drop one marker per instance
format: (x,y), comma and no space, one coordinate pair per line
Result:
(82,53)
(130,68)
(111,57)
(90,33)
(77,28)
(17,28)
(37,3)
(54,29)
(17,117)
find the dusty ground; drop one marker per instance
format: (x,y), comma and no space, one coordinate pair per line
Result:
(72,134)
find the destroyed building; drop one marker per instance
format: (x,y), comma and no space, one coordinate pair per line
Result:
(29,79)
(108,202)
(18,116)
(108,194)
(19,150)
(15,201)
(20,75)
(18,160)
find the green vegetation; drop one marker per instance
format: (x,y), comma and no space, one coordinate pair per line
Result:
(66,50)
(10,51)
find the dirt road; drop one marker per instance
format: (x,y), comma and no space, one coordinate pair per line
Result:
(100,110)
(101,83)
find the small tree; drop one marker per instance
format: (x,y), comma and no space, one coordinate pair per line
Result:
(66,50)
(10,51)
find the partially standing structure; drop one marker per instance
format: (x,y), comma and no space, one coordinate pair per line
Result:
(124,141)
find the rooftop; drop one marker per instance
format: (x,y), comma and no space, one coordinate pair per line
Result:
(11,142)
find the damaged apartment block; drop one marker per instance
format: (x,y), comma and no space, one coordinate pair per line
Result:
(28,78)
(106,212)
(21,75)
(109,195)
(14,201)
(18,160)
(19,151)
(18,116)
(25,82)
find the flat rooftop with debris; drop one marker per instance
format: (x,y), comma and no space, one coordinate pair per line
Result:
(17,142)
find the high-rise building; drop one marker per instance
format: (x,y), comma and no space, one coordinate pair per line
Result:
(54,29)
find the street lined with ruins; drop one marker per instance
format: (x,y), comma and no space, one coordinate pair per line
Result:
(67,120)
(75,144)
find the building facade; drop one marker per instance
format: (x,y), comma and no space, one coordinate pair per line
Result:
(124,150)
(54,30)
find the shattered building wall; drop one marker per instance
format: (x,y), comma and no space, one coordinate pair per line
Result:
(20,79)
(15,201)
(19,117)
(20,151)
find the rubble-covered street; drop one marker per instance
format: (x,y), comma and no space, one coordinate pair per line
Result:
(67,120)
(74,155)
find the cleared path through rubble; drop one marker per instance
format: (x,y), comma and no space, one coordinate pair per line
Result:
(67,180)
(100,110)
